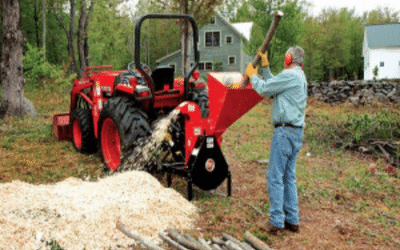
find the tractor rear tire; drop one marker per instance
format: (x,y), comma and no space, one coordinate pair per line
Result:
(82,131)
(201,98)
(122,126)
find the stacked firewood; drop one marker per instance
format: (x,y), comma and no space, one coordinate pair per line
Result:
(186,242)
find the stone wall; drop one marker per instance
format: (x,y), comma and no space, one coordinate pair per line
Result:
(357,92)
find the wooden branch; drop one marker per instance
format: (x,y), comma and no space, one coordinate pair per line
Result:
(228,237)
(264,47)
(247,246)
(217,241)
(257,210)
(216,247)
(204,243)
(172,242)
(232,246)
(150,245)
(255,242)
(175,235)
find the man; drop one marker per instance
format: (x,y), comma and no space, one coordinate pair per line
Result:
(289,90)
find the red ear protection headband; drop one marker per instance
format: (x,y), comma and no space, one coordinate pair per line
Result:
(288,59)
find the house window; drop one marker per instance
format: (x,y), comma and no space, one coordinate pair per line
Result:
(212,20)
(209,66)
(201,66)
(382,64)
(228,40)
(232,60)
(212,39)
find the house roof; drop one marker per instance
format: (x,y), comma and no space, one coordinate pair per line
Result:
(383,35)
(244,29)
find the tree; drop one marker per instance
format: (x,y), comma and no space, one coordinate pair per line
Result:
(201,10)
(311,43)
(83,29)
(12,77)
(69,30)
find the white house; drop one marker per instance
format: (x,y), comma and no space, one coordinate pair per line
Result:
(381,49)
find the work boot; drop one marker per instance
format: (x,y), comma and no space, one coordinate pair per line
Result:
(291,227)
(274,230)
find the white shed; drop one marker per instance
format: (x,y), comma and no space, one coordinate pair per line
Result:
(381,49)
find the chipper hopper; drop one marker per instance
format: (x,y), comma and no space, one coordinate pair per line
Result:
(112,111)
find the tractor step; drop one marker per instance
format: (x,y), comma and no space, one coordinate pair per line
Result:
(61,127)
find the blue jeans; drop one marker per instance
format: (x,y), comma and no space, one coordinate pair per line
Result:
(281,176)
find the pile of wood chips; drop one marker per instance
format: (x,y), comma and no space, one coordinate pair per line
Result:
(80,214)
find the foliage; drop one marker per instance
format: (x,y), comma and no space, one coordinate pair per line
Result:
(35,70)
(375,71)
(218,65)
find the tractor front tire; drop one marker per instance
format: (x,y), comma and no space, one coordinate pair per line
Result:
(82,131)
(122,124)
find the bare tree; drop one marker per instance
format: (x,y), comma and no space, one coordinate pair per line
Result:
(83,29)
(12,77)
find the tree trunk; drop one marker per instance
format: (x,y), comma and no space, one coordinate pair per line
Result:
(12,77)
(86,39)
(71,34)
(185,38)
(44,29)
(81,50)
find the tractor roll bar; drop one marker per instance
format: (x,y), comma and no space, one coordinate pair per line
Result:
(189,18)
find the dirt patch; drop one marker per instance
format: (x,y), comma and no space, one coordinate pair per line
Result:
(83,215)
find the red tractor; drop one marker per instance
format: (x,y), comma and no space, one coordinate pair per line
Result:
(114,111)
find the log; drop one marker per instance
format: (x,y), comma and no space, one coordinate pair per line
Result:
(216,247)
(255,242)
(218,241)
(264,47)
(247,246)
(172,242)
(232,246)
(149,244)
(236,241)
(205,244)
(175,235)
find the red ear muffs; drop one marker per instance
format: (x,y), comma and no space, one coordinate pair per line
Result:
(288,59)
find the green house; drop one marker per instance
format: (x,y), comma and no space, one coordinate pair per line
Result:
(219,40)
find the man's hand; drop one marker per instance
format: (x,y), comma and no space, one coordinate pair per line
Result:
(250,70)
(264,58)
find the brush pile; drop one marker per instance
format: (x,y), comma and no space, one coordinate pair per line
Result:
(186,242)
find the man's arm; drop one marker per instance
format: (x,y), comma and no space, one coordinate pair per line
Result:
(272,85)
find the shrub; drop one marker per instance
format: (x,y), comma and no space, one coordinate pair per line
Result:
(218,65)
(36,71)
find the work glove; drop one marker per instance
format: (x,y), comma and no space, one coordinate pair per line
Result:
(264,58)
(250,70)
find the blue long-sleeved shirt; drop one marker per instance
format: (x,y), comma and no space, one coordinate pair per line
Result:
(289,89)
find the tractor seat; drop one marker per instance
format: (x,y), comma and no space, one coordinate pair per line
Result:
(163,75)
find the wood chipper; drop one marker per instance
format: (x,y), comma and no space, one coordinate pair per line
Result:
(111,111)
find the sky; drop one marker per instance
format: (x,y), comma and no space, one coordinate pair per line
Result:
(360,6)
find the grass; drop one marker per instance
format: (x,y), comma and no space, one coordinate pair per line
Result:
(347,200)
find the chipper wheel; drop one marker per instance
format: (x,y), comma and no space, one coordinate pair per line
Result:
(121,125)
(82,131)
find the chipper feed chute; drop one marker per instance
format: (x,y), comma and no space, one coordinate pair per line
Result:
(227,104)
